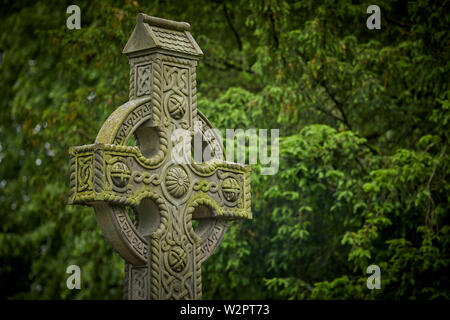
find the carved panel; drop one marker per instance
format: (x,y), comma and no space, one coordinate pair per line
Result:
(139,283)
(143,79)
(179,260)
(176,94)
(84,173)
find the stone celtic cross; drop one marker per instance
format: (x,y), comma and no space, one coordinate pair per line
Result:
(162,251)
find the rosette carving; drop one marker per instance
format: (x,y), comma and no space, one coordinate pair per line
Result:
(177,181)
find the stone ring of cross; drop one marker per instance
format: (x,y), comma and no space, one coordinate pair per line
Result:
(162,250)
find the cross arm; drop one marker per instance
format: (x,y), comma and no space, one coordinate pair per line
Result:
(224,187)
(104,172)
(121,175)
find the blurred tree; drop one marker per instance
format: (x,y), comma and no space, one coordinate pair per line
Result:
(364,125)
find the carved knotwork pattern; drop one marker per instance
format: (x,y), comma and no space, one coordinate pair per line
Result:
(139,277)
(205,186)
(179,259)
(176,93)
(84,171)
(145,177)
(143,80)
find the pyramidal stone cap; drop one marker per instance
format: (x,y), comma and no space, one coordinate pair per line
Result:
(156,34)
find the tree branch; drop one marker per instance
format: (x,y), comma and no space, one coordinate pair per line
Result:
(328,113)
(233,29)
(274,31)
(83,133)
(338,105)
(226,65)
(398,23)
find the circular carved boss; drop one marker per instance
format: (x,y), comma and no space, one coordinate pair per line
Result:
(177,181)
(120,174)
(231,189)
(177,259)
(176,105)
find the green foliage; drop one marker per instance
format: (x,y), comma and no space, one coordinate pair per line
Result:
(364,128)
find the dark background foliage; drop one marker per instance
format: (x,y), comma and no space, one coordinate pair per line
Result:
(364,127)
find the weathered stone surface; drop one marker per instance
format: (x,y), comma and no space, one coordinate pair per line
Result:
(163,252)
